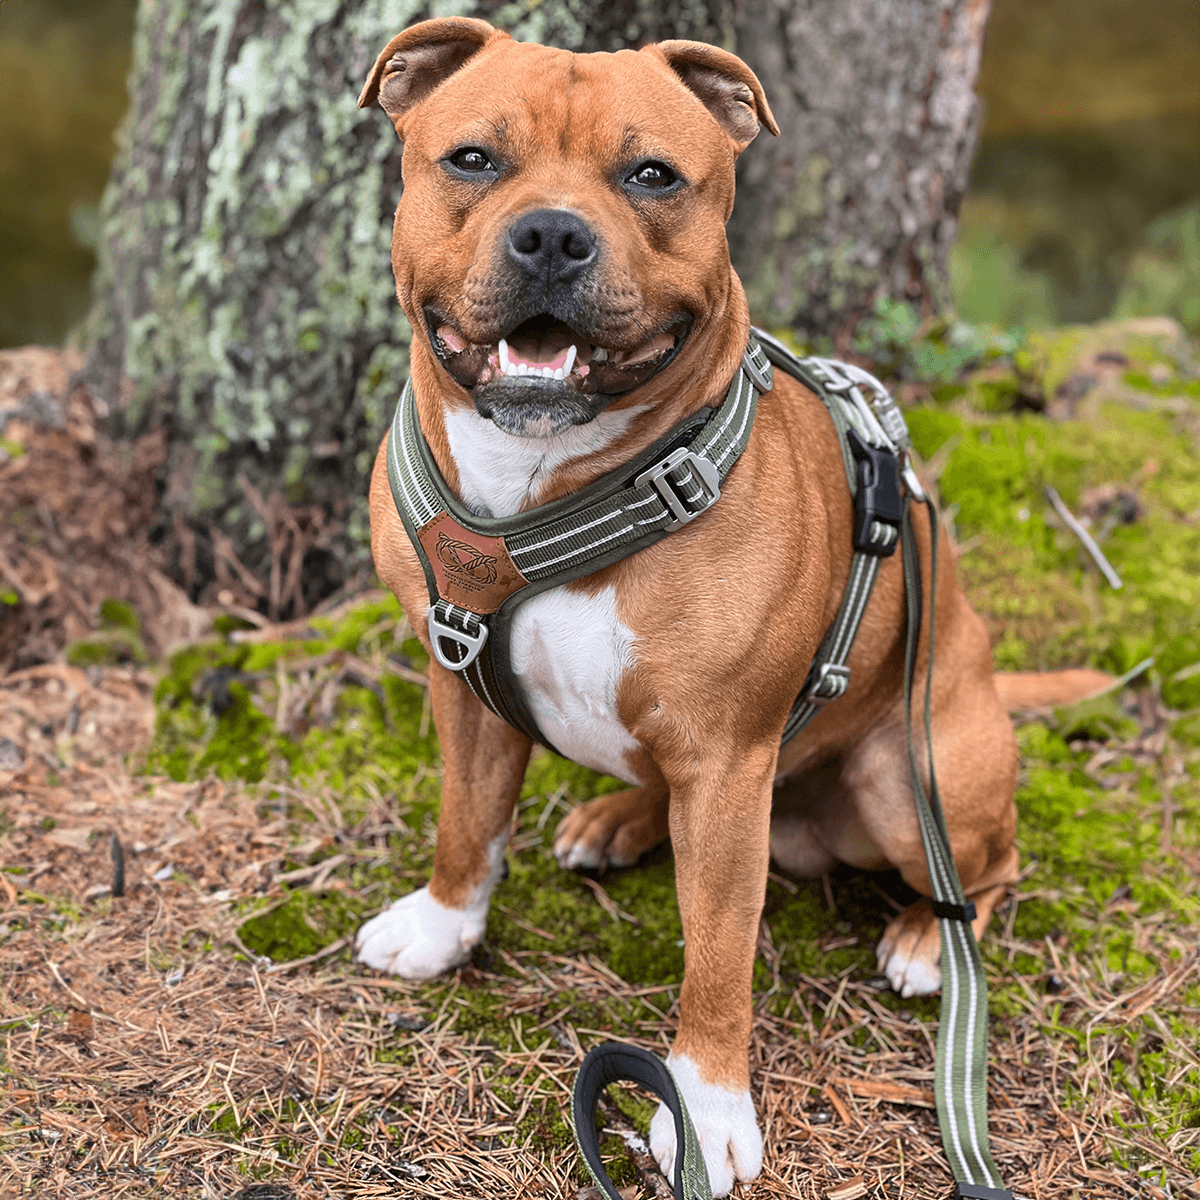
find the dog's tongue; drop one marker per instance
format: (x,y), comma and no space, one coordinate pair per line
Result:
(546,346)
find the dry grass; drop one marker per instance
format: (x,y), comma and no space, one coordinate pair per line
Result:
(147,1057)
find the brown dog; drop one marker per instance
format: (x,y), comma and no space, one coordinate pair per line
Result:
(565,215)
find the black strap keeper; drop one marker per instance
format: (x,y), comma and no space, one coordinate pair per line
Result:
(976,1191)
(959,912)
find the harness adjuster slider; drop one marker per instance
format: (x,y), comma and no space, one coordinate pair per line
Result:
(878,507)
(469,644)
(687,483)
(831,682)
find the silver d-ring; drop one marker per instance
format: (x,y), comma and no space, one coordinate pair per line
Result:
(469,643)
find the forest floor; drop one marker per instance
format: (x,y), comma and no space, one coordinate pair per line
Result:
(197,808)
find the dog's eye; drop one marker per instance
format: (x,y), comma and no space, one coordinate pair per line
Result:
(472,160)
(652,175)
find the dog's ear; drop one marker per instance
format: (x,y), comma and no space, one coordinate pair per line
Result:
(723,84)
(414,62)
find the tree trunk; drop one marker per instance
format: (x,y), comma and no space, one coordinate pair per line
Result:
(859,198)
(245,302)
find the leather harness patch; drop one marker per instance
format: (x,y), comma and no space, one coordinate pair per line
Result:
(471,570)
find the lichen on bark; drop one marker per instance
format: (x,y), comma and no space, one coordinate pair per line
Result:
(244,298)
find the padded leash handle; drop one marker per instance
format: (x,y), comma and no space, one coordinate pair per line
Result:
(616,1060)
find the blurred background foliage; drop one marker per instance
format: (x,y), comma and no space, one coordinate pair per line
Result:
(1085,196)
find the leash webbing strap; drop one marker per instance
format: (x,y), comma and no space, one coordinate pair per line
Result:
(960,1085)
(613,1061)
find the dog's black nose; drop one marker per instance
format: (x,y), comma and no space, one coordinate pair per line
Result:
(552,244)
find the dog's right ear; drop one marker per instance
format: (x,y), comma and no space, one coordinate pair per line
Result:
(414,62)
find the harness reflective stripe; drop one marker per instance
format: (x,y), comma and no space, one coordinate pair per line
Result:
(663,488)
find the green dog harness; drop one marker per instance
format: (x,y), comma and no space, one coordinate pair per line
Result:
(479,570)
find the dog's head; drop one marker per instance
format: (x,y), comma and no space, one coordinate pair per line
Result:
(560,242)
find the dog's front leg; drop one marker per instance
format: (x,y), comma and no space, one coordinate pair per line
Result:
(436,927)
(720,828)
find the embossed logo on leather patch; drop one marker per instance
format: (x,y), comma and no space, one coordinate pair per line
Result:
(462,559)
(471,569)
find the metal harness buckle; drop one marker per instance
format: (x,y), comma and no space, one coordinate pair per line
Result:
(469,643)
(831,683)
(687,483)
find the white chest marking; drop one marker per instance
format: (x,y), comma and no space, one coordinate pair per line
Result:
(499,472)
(568,654)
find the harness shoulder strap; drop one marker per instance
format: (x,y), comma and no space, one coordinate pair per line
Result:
(874,442)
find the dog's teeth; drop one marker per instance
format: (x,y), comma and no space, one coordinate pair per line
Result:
(599,354)
(558,373)
(570,362)
(522,369)
(504,362)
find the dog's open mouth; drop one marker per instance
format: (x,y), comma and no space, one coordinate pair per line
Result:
(546,349)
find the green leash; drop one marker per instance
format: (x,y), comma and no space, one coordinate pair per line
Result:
(960,1084)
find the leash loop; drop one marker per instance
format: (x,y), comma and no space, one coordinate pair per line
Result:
(608,1063)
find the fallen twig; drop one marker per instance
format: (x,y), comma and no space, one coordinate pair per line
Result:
(1089,543)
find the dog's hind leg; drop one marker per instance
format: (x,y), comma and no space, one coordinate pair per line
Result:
(975,755)
(613,830)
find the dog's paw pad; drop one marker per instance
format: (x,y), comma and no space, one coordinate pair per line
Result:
(418,938)
(725,1127)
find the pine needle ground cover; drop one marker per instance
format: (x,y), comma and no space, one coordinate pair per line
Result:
(205,1034)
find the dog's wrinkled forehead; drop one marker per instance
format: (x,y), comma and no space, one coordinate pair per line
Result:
(569,113)
(459,77)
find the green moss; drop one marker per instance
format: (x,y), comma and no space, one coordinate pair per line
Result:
(1101,720)
(118,615)
(301,925)
(107,647)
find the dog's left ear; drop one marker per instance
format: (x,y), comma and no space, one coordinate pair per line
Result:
(723,84)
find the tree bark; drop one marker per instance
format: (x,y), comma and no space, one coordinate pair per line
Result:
(245,302)
(859,198)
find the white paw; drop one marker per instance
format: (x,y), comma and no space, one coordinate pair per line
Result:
(725,1125)
(418,938)
(572,855)
(909,975)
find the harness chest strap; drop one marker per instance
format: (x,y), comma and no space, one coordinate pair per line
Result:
(480,569)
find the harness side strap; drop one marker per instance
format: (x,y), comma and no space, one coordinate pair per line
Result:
(615,1060)
(960,1084)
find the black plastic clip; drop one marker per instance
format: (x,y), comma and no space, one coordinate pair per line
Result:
(976,1191)
(878,507)
(955,912)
